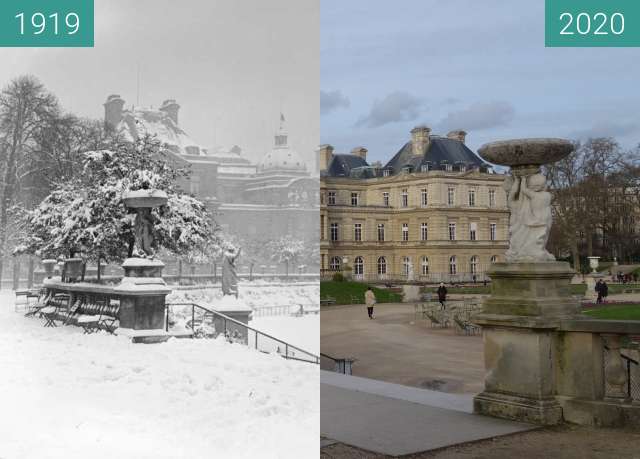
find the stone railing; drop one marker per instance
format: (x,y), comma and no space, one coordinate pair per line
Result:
(597,372)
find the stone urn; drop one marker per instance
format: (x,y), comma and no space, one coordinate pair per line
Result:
(48,265)
(594,263)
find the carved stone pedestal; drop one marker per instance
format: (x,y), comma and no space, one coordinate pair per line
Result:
(142,295)
(519,321)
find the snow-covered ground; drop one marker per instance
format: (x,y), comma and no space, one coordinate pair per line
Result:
(68,395)
(303,332)
(257,294)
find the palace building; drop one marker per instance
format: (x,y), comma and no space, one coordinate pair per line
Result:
(275,197)
(435,212)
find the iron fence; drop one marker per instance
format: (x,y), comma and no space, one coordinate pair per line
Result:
(204,322)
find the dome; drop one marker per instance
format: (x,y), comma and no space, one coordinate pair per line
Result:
(282,159)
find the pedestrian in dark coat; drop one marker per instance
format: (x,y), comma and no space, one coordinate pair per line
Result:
(598,289)
(442,295)
(604,291)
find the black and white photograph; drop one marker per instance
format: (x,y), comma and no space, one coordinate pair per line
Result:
(159,235)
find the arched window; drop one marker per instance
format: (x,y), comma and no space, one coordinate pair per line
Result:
(453,269)
(494,259)
(382,265)
(335,263)
(473,264)
(358,266)
(406,263)
(425,266)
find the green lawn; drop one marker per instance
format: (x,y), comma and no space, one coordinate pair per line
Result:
(343,291)
(615,312)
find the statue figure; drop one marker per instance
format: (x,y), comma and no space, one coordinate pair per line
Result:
(530,220)
(229,273)
(410,275)
(144,233)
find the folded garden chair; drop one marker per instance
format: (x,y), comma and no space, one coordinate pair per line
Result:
(109,317)
(90,319)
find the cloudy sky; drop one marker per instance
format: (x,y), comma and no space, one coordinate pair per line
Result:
(480,66)
(232,66)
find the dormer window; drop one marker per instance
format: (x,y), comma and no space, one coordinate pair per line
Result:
(386,173)
(407,169)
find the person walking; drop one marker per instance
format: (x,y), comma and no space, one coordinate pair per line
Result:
(598,289)
(370,300)
(442,295)
(604,291)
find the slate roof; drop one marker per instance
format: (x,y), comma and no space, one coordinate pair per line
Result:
(341,165)
(442,150)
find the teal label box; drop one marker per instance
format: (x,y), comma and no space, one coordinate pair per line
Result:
(592,23)
(47,23)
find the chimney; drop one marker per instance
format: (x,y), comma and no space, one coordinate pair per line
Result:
(171,108)
(420,140)
(458,135)
(325,154)
(113,111)
(360,152)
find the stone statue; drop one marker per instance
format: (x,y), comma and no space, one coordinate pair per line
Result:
(229,273)
(410,275)
(530,219)
(144,233)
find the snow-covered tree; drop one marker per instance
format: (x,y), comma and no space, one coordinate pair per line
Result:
(87,214)
(286,249)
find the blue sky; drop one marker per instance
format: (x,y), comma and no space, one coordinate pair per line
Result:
(481,66)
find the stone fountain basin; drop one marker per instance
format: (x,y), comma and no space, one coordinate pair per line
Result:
(525,152)
(144,198)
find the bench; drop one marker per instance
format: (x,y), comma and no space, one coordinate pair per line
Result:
(327,301)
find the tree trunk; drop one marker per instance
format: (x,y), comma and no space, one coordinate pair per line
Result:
(99,267)
(16,274)
(30,273)
(179,271)
(576,256)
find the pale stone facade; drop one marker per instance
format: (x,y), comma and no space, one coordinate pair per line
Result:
(444,225)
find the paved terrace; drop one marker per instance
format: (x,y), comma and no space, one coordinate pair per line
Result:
(399,348)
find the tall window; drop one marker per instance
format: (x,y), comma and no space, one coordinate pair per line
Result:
(405,198)
(494,259)
(334,231)
(358,266)
(452,231)
(354,199)
(195,185)
(424,231)
(381,231)
(424,197)
(385,198)
(334,263)
(406,263)
(425,266)
(331,198)
(492,231)
(453,268)
(386,173)
(382,265)
(357,232)
(322,227)
(472,198)
(492,198)
(473,264)
(473,230)
(405,231)
(451,196)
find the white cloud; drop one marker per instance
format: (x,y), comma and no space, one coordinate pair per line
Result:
(397,106)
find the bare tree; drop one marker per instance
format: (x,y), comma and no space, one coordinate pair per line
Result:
(25,105)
